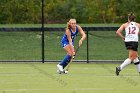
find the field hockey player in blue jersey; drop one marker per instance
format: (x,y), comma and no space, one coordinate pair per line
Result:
(67,41)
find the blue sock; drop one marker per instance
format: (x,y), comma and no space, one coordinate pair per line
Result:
(65,61)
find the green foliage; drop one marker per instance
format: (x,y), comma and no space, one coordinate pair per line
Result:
(60,11)
(20,11)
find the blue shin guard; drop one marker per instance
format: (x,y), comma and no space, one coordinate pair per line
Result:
(65,61)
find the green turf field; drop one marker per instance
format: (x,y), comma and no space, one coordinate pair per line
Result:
(82,78)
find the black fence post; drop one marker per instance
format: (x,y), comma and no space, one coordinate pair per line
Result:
(87,48)
(42,31)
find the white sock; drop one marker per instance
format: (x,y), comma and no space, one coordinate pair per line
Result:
(137,63)
(125,63)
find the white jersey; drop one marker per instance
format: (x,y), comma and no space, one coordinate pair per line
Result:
(131,32)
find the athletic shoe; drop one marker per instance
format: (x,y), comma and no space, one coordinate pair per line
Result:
(65,72)
(60,68)
(118,70)
(59,72)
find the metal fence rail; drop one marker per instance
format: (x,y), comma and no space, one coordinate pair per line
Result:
(57,29)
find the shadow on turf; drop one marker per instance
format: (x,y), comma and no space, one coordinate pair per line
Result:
(127,79)
(59,80)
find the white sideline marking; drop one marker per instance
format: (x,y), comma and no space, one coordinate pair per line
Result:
(84,68)
(93,88)
(73,74)
(20,90)
(18,74)
(13,90)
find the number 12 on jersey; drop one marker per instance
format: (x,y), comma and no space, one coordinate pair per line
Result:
(132,30)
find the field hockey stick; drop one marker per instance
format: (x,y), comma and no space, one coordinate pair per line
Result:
(68,66)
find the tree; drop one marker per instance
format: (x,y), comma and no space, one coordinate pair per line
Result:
(60,11)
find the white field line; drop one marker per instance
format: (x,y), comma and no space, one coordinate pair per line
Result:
(83,68)
(24,90)
(72,74)
(19,74)
(92,74)
(76,89)
(21,82)
(13,67)
(94,89)
(74,68)
(50,89)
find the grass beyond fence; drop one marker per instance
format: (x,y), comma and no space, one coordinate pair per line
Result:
(103,45)
(20,46)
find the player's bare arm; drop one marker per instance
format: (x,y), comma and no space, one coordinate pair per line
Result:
(119,31)
(138,27)
(82,34)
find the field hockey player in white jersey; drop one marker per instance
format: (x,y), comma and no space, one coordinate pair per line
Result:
(132,30)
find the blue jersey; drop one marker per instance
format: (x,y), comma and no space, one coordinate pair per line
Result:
(65,40)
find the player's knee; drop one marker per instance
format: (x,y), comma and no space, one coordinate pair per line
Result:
(136,61)
(70,53)
(133,57)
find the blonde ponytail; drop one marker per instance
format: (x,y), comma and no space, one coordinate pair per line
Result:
(68,26)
